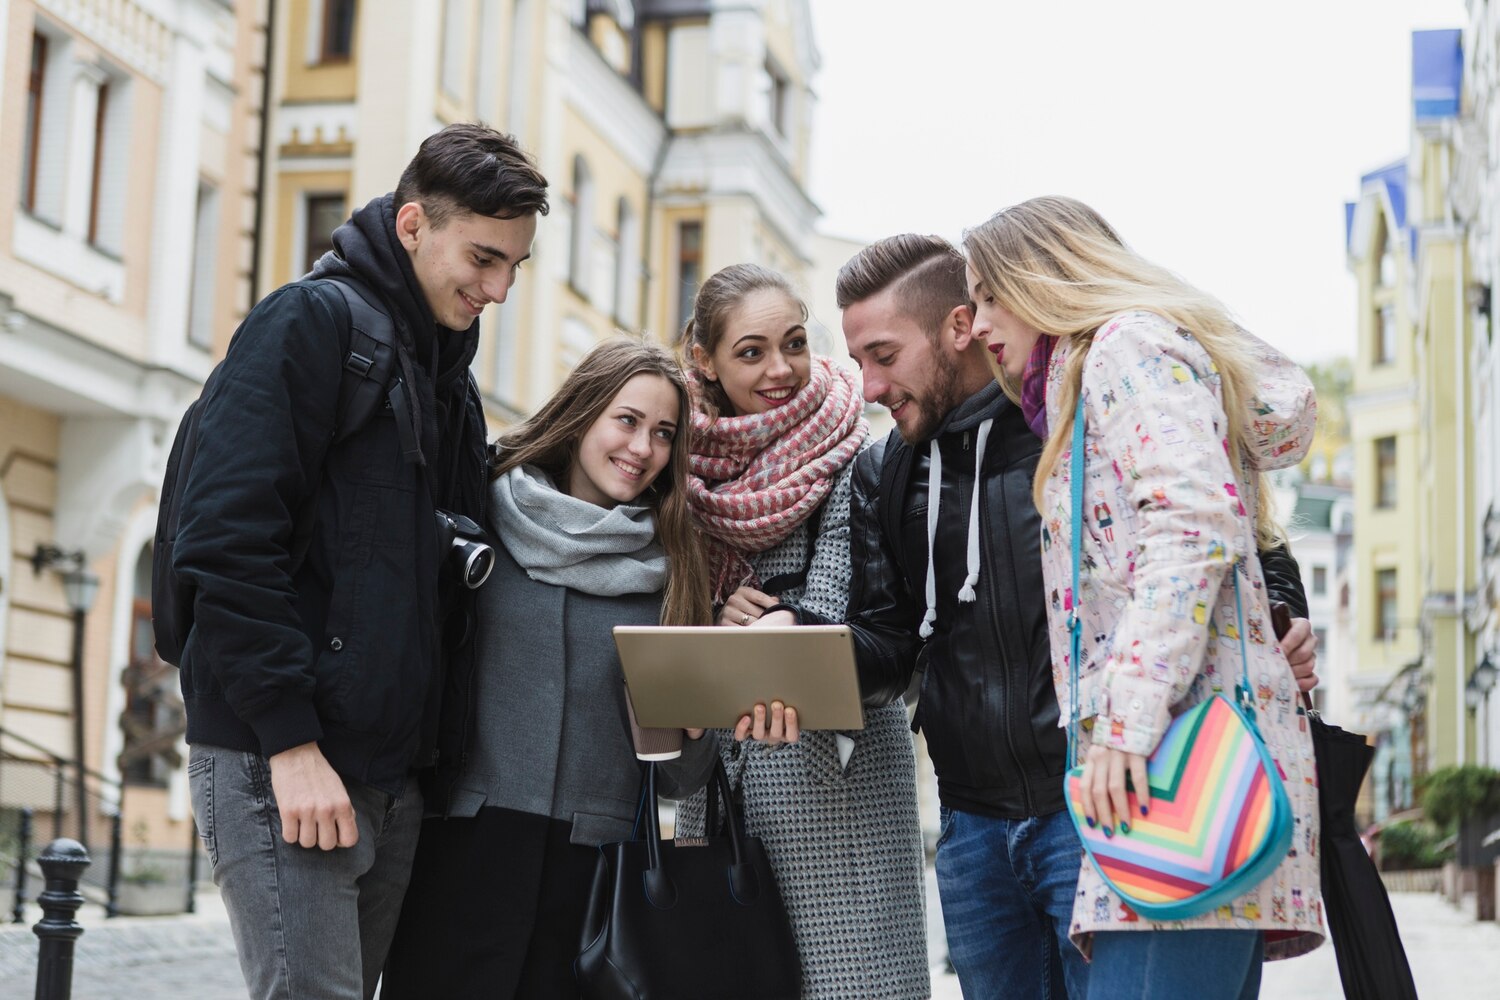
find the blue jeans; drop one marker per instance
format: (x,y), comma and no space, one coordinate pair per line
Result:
(307,923)
(1204,965)
(1007,888)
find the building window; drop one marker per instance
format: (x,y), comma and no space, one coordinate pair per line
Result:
(205,267)
(338,31)
(1385,473)
(1386,275)
(1385,335)
(627,266)
(689,269)
(97,170)
(153,720)
(31,138)
(455,33)
(1385,604)
(486,75)
(582,227)
(1319,581)
(776,98)
(325,213)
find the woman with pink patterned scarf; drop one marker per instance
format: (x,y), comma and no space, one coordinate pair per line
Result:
(774,441)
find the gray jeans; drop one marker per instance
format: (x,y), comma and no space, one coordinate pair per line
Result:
(307,923)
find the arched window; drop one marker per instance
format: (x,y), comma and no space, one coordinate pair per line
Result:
(582,227)
(1387,259)
(153,719)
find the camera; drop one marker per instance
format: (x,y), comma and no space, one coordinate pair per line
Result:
(462,543)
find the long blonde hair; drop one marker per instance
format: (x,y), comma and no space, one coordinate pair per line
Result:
(549,441)
(1059,268)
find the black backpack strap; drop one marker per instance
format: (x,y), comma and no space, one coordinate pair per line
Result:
(371,361)
(371,375)
(895,475)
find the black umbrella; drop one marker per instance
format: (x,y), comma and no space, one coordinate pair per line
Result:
(1372,962)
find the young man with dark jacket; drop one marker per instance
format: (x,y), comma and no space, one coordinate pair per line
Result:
(327,623)
(947,579)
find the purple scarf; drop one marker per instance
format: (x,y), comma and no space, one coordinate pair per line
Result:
(1034,386)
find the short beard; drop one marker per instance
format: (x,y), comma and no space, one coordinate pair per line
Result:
(941,398)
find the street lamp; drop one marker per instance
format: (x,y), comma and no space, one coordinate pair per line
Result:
(80,587)
(1485,675)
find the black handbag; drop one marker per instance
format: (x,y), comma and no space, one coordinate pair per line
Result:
(698,918)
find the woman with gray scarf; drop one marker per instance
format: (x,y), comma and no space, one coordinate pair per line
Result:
(589,506)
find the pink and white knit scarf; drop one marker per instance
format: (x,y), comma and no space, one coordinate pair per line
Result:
(754,478)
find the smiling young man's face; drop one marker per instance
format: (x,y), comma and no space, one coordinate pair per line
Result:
(913,373)
(467,262)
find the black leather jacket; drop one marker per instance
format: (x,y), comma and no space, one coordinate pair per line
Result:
(987,706)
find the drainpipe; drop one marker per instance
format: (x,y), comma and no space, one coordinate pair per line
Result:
(265,154)
(1460,307)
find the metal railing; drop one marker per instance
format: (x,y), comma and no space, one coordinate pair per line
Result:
(44,796)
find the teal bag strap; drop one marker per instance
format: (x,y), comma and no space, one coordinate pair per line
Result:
(1075,623)
(1244,696)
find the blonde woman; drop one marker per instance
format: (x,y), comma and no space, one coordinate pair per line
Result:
(1183,410)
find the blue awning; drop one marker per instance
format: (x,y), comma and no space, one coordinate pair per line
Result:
(1391,180)
(1392,177)
(1437,73)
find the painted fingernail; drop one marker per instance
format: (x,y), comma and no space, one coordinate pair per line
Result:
(1145,810)
(1090,821)
(1108,832)
(1124,826)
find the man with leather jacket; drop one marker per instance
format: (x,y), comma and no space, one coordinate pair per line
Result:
(947,580)
(315,667)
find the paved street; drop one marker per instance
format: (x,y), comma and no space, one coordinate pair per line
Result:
(192,958)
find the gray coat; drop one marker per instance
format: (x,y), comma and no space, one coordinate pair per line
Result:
(843,841)
(551,735)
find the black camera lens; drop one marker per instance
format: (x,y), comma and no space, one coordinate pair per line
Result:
(476,558)
(463,543)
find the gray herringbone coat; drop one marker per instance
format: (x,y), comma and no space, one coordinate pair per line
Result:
(844,841)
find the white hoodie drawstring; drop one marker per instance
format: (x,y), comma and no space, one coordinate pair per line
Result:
(934,494)
(966,592)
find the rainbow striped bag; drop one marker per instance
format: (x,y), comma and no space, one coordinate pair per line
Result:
(1220,819)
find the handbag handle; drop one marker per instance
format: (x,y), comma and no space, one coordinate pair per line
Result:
(1244,695)
(744,882)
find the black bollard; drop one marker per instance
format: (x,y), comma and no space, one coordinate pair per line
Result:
(23,848)
(63,862)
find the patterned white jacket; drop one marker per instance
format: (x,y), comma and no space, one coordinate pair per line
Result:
(1166,519)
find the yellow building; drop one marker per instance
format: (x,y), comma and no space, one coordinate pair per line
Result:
(675,137)
(126,193)
(1414,568)
(142,221)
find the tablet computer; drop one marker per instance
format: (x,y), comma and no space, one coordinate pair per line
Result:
(710,676)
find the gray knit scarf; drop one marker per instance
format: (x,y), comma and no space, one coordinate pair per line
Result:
(561,540)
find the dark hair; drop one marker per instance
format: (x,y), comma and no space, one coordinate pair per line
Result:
(468,167)
(926,273)
(716,301)
(549,440)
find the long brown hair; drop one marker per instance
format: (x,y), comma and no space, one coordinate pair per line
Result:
(1058,267)
(549,441)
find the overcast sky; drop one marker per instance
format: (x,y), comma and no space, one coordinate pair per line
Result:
(1221,140)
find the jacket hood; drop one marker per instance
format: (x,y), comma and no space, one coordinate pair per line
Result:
(366,248)
(1283,411)
(982,406)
